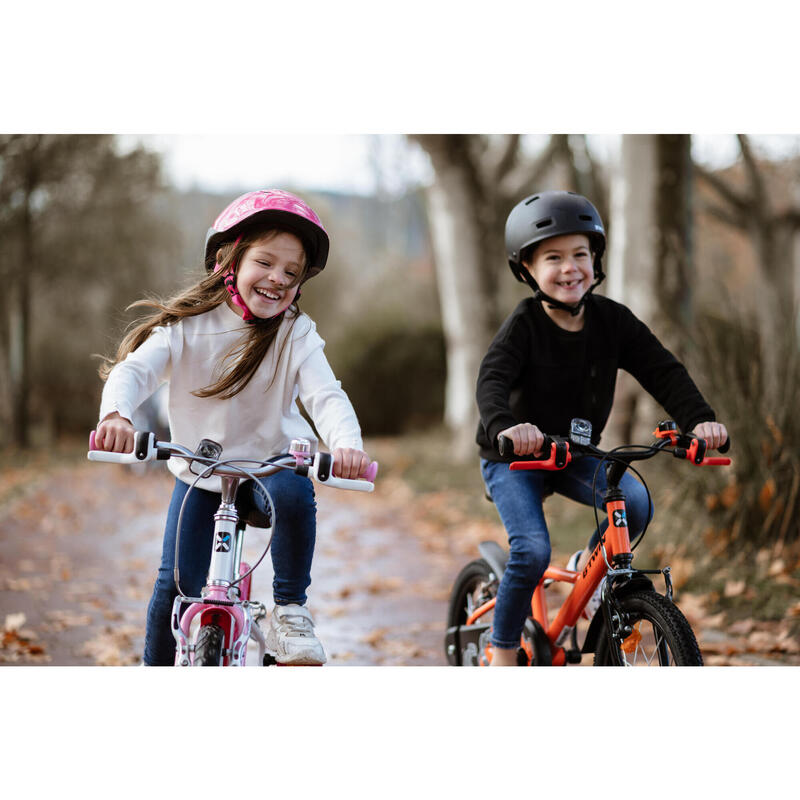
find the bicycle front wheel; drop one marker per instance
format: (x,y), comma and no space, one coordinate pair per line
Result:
(661,635)
(208,646)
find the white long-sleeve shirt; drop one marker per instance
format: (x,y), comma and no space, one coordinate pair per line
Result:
(261,419)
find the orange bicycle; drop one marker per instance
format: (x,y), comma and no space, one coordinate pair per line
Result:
(637,626)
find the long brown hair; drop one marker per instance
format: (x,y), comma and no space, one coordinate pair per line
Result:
(243,359)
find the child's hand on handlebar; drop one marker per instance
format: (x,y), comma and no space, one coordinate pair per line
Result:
(349,463)
(714,433)
(527,439)
(115,434)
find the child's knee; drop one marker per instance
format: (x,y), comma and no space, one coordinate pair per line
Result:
(530,559)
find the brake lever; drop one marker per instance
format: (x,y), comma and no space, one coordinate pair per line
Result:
(696,453)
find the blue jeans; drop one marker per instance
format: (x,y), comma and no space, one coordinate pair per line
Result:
(518,496)
(292,550)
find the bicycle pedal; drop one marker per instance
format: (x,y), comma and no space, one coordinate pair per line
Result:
(573,656)
(269,660)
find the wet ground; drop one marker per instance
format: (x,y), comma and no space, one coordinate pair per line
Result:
(80,544)
(80,550)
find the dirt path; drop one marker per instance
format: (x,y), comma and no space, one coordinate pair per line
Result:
(79,555)
(79,549)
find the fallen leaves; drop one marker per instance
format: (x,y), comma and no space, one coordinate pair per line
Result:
(62,620)
(113,646)
(734,588)
(402,649)
(14,622)
(18,644)
(386,600)
(33,584)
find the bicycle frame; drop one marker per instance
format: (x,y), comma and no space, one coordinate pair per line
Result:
(616,541)
(610,560)
(225,600)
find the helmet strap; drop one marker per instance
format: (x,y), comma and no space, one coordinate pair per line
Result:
(575,309)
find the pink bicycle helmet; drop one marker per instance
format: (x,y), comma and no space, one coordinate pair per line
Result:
(263,207)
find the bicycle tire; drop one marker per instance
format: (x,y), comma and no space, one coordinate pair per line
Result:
(475,585)
(661,637)
(208,646)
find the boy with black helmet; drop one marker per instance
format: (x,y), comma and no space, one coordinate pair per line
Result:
(556,358)
(543,216)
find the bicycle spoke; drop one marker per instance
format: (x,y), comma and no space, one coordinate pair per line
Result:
(646,649)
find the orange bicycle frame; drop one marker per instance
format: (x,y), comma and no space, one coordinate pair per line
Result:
(617,541)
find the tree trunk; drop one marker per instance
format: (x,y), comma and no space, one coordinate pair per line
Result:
(456,231)
(674,268)
(19,328)
(631,261)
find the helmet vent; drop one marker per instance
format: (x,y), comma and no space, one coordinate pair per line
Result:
(531,199)
(585,217)
(544,223)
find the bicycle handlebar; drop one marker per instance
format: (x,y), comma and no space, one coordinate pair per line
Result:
(146,448)
(557,451)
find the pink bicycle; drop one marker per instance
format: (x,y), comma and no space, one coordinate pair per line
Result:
(228,618)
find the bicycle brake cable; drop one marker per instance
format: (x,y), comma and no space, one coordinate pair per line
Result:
(609,456)
(207,473)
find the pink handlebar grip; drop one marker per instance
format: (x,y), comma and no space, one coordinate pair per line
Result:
(91,440)
(370,472)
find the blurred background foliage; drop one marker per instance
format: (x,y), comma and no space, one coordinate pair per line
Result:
(417,284)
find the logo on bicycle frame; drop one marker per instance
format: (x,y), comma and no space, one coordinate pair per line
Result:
(223,543)
(620,520)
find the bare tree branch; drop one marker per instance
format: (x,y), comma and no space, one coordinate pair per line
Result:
(761,202)
(508,156)
(597,189)
(529,174)
(727,192)
(790,218)
(568,155)
(724,215)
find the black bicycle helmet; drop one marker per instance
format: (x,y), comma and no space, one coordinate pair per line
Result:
(544,215)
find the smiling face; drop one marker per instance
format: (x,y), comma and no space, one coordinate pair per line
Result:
(269,274)
(563,266)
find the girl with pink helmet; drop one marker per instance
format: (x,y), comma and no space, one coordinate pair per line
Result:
(237,353)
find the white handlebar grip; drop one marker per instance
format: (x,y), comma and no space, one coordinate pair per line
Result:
(122,458)
(328,478)
(344,483)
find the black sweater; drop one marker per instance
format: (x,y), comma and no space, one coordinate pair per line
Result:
(537,372)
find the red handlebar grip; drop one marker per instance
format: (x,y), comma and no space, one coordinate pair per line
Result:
(518,465)
(550,463)
(715,461)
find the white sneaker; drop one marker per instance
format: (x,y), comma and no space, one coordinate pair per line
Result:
(595,600)
(572,564)
(291,638)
